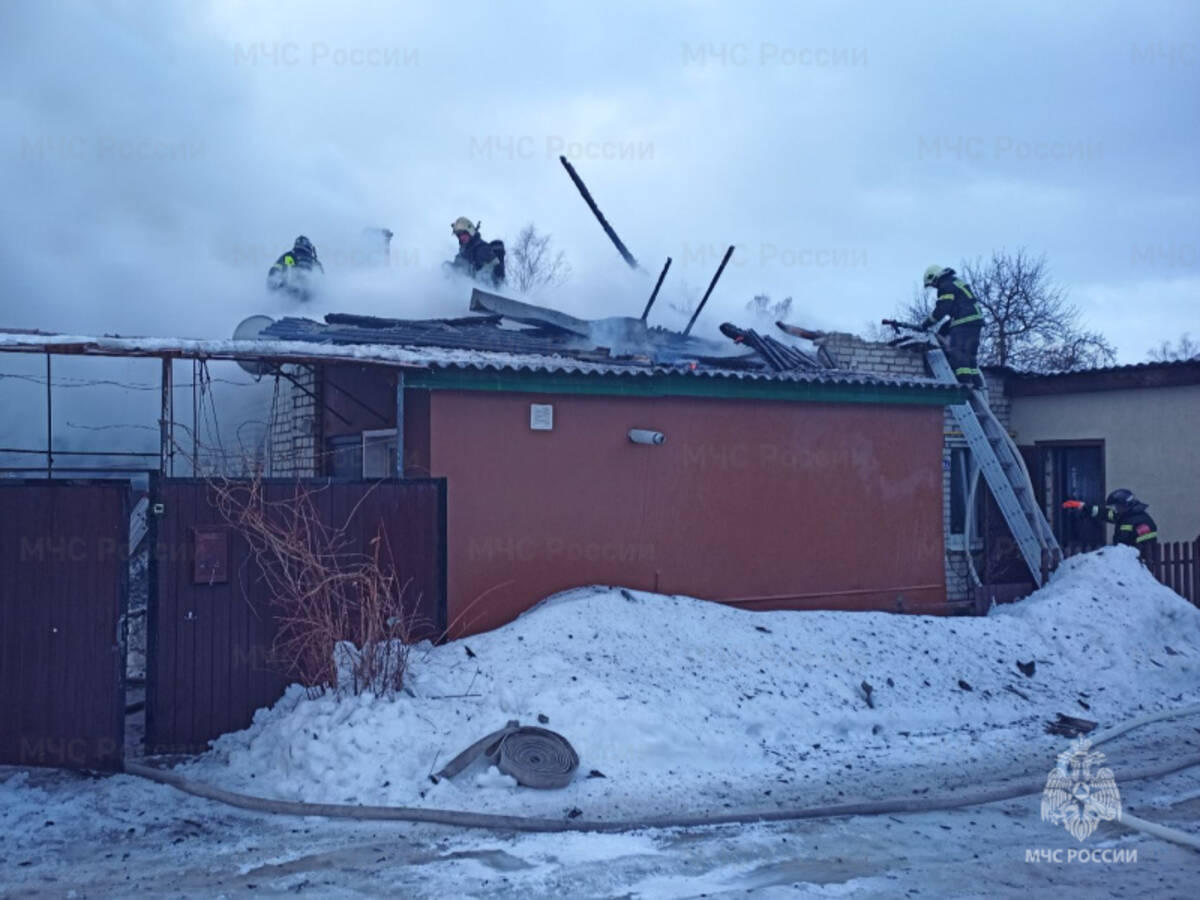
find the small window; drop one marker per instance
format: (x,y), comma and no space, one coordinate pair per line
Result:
(345,456)
(962,470)
(379,453)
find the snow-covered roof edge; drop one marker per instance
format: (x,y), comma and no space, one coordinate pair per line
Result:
(410,357)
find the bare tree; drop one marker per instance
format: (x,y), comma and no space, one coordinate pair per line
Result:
(533,262)
(681,297)
(1028,322)
(1183,349)
(763,307)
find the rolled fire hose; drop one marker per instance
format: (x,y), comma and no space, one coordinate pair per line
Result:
(535,757)
(466,819)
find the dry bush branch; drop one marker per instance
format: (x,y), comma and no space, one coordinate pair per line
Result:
(342,621)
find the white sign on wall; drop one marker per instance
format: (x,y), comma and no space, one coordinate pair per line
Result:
(541,417)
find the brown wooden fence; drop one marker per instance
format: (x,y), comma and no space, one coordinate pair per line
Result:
(1174,564)
(63,594)
(1177,565)
(987,594)
(211,624)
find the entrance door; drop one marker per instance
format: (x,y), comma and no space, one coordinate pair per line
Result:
(1074,472)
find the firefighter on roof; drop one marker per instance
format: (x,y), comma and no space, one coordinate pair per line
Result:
(477,258)
(293,270)
(956,300)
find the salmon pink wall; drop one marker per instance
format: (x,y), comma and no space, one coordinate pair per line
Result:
(765,504)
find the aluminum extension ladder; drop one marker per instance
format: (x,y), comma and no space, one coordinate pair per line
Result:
(1004,470)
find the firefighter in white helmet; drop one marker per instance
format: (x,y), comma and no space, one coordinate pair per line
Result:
(956,300)
(477,258)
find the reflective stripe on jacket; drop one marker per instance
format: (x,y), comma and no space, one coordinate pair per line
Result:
(956,300)
(1134,527)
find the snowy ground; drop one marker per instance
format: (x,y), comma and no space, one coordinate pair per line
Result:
(122,836)
(685,707)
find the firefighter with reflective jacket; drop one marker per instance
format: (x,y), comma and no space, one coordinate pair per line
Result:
(1128,514)
(477,258)
(293,270)
(956,300)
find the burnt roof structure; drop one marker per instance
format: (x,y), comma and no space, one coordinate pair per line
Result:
(509,335)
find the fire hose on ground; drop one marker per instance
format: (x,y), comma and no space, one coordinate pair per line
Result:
(467,819)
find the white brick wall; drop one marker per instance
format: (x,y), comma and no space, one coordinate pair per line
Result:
(295,428)
(998,399)
(852,352)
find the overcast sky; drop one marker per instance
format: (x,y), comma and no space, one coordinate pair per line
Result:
(158,156)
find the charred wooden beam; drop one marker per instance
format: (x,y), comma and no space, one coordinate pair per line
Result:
(712,284)
(608,229)
(654,294)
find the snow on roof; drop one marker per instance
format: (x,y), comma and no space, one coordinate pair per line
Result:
(116,345)
(425,357)
(688,706)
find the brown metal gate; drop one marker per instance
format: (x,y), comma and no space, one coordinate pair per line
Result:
(211,622)
(64,577)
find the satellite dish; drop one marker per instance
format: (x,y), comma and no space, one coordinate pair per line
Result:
(249,330)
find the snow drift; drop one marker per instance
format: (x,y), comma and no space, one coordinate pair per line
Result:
(677,704)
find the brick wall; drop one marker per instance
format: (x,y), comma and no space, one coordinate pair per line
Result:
(295,426)
(848,351)
(998,398)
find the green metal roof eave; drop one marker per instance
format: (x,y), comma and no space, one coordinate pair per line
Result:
(679,385)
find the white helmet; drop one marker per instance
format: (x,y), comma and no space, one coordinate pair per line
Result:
(935,272)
